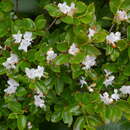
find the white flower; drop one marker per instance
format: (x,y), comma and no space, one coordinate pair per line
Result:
(107,72)
(105,98)
(38,101)
(51,55)
(115,95)
(113,37)
(29,124)
(11,61)
(121,15)
(35,73)
(125,89)
(10,90)
(83,82)
(89,61)
(12,82)
(90,89)
(28,36)
(17,37)
(39,72)
(12,86)
(68,10)
(109,80)
(73,49)
(91,33)
(25,42)
(24,45)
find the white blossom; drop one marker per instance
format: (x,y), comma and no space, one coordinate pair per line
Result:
(28,36)
(24,45)
(51,55)
(121,15)
(68,10)
(39,102)
(83,82)
(109,80)
(39,72)
(115,95)
(90,89)
(73,50)
(106,98)
(11,62)
(125,89)
(107,72)
(35,73)
(1,47)
(89,61)
(91,33)
(25,41)
(12,86)
(17,37)
(38,99)
(29,125)
(113,37)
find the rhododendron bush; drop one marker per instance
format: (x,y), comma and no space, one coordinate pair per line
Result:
(68,62)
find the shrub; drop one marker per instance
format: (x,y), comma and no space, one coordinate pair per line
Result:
(70,63)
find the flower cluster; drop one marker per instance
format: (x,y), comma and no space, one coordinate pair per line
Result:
(11,62)
(25,42)
(12,86)
(112,38)
(51,55)
(73,50)
(88,62)
(38,99)
(109,78)
(107,99)
(34,73)
(68,10)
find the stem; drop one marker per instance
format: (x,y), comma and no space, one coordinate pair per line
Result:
(17,6)
(53,22)
(111,27)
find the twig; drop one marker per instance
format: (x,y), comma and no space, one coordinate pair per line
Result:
(53,22)
(17,6)
(111,27)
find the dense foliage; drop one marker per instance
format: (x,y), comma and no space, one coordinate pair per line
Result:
(69,61)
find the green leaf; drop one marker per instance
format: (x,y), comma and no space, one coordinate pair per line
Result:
(78,125)
(2,70)
(62,47)
(127,70)
(56,116)
(62,59)
(81,7)
(67,19)
(53,10)
(89,15)
(100,37)
(77,58)
(40,22)
(129,52)
(115,5)
(115,54)
(21,122)
(21,92)
(122,44)
(13,116)
(67,118)
(59,87)
(6,6)
(15,107)
(91,50)
(128,33)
